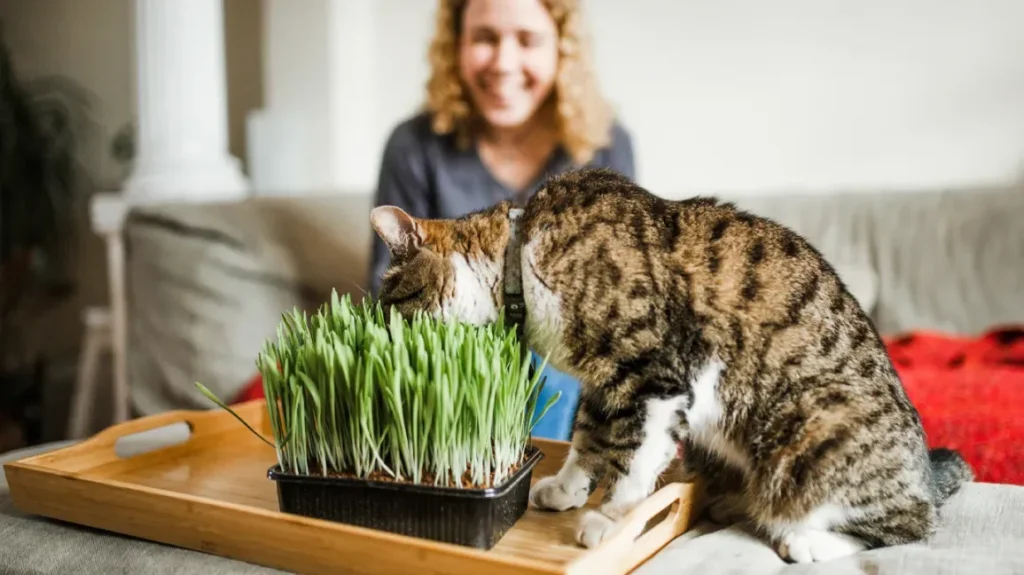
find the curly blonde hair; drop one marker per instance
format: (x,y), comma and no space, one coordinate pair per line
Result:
(583,116)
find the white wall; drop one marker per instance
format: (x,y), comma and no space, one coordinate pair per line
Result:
(750,95)
(734,95)
(817,94)
(338,74)
(290,141)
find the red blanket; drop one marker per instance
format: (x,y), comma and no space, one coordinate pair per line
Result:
(968,390)
(970,394)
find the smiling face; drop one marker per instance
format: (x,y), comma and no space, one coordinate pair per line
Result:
(508,58)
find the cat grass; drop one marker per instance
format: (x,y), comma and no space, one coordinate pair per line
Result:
(359,392)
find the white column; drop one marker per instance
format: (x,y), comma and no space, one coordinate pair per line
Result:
(290,145)
(318,130)
(182,145)
(353,119)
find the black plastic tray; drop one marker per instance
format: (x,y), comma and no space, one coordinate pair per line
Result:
(471,517)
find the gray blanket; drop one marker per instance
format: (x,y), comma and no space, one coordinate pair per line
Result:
(982,532)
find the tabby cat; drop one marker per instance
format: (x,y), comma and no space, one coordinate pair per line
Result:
(695,323)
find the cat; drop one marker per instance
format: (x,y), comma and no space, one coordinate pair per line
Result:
(692,323)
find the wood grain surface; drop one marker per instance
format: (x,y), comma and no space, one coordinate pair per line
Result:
(211,493)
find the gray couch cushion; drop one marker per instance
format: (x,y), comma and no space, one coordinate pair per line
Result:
(950,261)
(208,284)
(205,291)
(943,260)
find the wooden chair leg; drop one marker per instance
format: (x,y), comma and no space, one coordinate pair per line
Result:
(118,327)
(96,342)
(108,212)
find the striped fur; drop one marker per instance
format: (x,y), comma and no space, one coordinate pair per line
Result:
(695,322)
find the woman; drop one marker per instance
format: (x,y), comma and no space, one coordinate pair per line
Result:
(512,99)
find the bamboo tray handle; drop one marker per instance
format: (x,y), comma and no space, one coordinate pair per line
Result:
(195,420)
(623,551)
(200,423)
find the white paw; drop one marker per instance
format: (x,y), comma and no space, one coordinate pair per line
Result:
(551,493)
(812,545)
(594,528)
(795,547)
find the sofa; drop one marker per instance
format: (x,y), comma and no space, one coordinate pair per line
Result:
(208,283)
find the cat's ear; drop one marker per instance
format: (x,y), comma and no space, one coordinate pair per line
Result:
(398,229)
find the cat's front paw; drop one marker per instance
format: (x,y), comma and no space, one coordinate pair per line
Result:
(811,545)
(795,547)
(553,494)
(594,528)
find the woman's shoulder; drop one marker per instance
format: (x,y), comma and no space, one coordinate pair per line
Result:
(620,135)
(413,133)
(617,154)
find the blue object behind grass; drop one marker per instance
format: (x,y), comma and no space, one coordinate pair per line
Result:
(557,422)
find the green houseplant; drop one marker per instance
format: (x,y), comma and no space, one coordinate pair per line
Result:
(43,122)
(415,426)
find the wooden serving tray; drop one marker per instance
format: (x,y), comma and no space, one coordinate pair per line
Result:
(211,493)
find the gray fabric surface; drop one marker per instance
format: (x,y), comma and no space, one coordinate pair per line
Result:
(950,260)
(201,311)
(982,532)
(208,285)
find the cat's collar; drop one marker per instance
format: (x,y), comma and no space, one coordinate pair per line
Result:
(515,305)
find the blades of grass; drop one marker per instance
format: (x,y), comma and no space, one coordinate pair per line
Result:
(364,390)
(209,394)
(315,415)
(551,402)
(332,401)
(299,449)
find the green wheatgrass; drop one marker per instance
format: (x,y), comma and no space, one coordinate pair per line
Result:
(356,393)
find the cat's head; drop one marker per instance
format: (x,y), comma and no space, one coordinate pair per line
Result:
(450,269)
